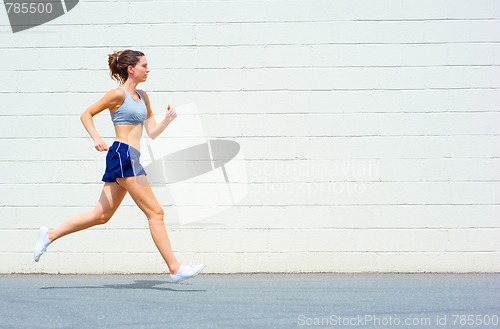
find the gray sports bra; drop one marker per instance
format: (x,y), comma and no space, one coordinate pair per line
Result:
(130,112)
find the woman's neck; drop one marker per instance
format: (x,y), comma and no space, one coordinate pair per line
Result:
(130,86)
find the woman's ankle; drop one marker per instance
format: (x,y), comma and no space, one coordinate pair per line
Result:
(174,268)
(51,236)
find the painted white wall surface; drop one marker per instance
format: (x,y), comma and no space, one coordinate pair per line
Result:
(368,134)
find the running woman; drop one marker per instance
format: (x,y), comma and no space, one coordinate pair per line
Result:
(130,111)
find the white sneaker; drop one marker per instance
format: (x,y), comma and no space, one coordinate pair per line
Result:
(187,272)
(41,243)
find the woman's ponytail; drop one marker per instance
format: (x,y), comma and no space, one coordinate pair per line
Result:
(119,62)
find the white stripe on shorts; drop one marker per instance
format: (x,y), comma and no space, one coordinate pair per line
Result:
(119,157)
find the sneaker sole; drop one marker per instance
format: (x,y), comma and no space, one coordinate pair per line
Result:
(190,277)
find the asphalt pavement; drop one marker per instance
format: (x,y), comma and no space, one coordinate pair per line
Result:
(251,301)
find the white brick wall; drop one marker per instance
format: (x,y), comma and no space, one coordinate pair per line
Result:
(369,131)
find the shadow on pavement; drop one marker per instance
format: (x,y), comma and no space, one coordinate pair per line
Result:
(138,284)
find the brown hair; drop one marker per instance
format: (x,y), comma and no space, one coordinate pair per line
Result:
(119,62)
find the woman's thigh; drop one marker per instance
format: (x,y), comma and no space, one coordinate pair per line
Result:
(139,189)
(111,197)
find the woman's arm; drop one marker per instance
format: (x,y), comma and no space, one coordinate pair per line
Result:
(109,101)
(154,129)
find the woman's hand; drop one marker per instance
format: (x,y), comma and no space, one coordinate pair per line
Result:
(171,114)
(155,129)
(100,145)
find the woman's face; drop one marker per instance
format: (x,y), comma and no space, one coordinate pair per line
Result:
(141,70)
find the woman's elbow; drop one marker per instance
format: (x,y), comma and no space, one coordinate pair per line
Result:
(151,133)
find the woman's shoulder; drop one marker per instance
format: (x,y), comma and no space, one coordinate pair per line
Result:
(113,98)
(117,94)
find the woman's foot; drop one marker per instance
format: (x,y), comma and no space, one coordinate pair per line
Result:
(187,272)
(41,243)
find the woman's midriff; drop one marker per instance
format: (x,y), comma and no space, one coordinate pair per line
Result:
(129,134)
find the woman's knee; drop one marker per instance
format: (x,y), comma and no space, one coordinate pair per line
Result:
(156,214)
(102,217)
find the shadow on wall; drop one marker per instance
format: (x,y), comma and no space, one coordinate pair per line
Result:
(192,162)
(202,179)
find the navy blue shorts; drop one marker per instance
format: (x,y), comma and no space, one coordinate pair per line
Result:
(122,161)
